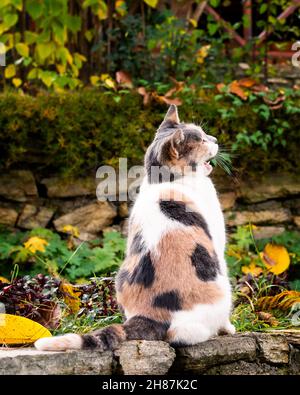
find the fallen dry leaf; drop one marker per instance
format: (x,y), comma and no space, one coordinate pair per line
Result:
(268,318)
(146,95)
(20,330)
(284,300)
(276,258)
(246,82)
(123,78)
(236,89)
(220,87)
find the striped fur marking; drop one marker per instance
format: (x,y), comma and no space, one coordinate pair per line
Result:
(205,265)
(178,211)
(140,327)
(108,338)
(137,245)
(122,276)
(168,300)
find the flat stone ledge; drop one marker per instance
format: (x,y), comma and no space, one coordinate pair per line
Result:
(275,352)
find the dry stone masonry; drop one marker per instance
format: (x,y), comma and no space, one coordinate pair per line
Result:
(276,352)
(272,202)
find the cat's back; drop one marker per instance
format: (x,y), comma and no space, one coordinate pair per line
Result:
(162,208)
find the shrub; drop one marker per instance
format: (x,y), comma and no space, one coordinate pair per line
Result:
(74,133)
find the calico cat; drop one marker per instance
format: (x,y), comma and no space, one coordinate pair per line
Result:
(173,284)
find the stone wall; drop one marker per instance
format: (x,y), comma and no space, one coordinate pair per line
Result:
(26,202)
(245,353)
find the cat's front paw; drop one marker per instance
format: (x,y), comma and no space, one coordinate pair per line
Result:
(70,341)
(228,329)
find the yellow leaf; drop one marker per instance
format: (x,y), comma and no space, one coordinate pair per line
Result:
(4,280)
(44,50)
(22,49)
(151,3)
(61,68)
(10,71)
(202,53)
(252,269)
(108,81)
(47,78)
(102,10)
(193,22)
(121,7)
(35,244)
(17,82)
(20,330)
(94,79)
(73,230)
(276,258)
(71,296)
(89,35)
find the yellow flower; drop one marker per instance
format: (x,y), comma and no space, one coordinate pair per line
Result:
(276,258)
(70,229)
(252,269)
(202,53)
(4,280)
(35,244)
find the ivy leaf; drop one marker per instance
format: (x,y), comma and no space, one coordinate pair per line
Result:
(10,71)
(10,20)
(34,8)
(23,49)
(212,28)
(44,50)
(33,74)
(73,22)
(17,82)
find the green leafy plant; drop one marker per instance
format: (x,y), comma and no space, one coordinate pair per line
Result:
(43,251)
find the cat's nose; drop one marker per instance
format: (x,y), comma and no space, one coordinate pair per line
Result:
(213,139)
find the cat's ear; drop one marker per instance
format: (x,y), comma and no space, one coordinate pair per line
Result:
(171,118)
(176,141)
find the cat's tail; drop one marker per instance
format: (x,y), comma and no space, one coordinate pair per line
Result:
(108,338)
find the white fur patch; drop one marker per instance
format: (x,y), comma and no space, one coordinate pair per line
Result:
(70,341)
(202,322)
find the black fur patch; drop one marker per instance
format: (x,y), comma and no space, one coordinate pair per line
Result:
(122,276)
(144,272)
(144,328)
(178,211)
(206,266)
(137,244)
(168,300)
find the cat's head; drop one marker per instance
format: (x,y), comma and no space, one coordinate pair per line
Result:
(181,147)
